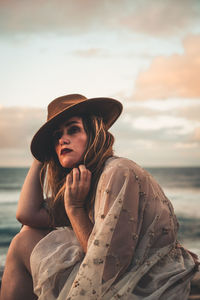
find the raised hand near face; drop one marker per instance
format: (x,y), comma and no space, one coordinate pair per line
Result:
(77,187)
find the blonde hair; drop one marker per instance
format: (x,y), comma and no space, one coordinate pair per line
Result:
(53,175)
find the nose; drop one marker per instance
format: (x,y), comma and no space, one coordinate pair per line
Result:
(64,139)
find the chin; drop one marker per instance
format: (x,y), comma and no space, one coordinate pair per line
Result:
(69,164)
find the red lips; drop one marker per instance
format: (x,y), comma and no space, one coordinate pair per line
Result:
(65,151)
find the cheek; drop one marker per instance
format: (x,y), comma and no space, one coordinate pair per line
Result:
(85,141)
(56,149)
(83,144)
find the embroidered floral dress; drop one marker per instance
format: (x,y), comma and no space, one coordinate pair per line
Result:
(132,252)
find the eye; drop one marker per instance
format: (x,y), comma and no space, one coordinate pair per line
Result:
(57,135)
(73,129)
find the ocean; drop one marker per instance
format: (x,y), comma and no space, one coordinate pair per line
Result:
(181,185)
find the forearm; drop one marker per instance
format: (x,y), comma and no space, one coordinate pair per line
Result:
(81,225)
(31,197)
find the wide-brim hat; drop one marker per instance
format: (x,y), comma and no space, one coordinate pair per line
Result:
(65,107)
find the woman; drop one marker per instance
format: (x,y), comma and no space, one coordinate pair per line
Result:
(105,229)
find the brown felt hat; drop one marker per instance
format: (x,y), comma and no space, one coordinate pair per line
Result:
(65,107)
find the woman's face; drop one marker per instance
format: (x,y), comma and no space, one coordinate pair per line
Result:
(70,141)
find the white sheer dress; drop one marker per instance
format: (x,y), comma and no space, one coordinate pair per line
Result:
(132,252)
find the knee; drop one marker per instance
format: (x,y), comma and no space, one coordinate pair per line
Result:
(24,242)
(18,243)
(14,256)
(26,227)
(22,246)
(15,241)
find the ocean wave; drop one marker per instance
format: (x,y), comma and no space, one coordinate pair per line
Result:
(188,228)
(9,230)
(12,178)
(6,235)
(182,177)
(10,187)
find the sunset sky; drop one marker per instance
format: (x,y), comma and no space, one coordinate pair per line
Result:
(146,53)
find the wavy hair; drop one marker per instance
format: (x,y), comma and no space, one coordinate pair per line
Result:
(53,175)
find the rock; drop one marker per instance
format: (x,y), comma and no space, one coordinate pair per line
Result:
(195,287)
(196,280)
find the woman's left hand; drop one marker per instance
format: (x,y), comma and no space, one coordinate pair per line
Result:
(77,187)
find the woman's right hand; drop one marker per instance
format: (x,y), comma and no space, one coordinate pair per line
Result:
(78,183)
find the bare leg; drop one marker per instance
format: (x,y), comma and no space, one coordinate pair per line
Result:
(17,280)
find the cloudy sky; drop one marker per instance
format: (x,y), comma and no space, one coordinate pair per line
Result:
(146,53)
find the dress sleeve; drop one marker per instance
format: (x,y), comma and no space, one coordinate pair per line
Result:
(113,239)
(116,215)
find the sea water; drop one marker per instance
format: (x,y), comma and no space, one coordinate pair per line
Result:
(181,185)
(11,181)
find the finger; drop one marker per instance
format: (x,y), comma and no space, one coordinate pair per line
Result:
(83,173)
(89,176)
(76,176)
(69,179)
(86,174)
(87,182)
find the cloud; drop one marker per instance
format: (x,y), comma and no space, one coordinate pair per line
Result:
(158,133)
(140,121)
(54,16)
(91,52)
(196,135)
(173,76)
(186,145)
(17,126)
(15,157)
(144,134)
(152,17)
(190,112)
(160,18)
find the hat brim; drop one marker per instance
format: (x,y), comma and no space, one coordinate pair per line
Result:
(109,109)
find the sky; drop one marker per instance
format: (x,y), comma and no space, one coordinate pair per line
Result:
(145,53)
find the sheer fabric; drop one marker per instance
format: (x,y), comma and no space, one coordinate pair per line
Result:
(132,251)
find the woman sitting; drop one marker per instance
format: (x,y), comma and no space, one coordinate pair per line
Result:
(105,229)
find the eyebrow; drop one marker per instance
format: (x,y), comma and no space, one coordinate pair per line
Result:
(71,122)
(67,124)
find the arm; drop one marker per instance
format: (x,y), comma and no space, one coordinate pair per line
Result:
(112,242)
(116,219)
(30,211)
(77,188)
